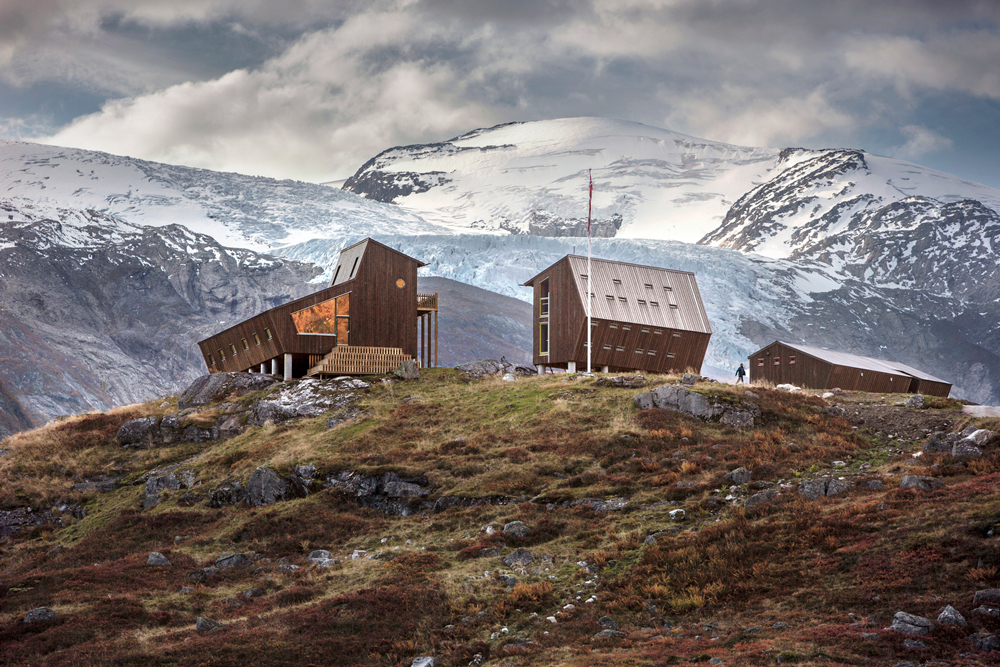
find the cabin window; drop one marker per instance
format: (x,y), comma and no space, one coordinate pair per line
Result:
(791,360)
(267,333)
(657,332)
(651,353)
(334,281)
(626,327)
(222,355)
(211,360)
(760,361)
(674,306)
(400,283)
(584,276)
(355,266)
(607,347)
(641,302)
(246,345)
(670,355)
(654,304)
(777,361)
(326,318)
(620,348)
(668,288)
(232,346)
(613,325)
(623,299)
(648,286)
(616,281)
(609,297)
(543,301)
(543,339)
(639,350)
(256,338)
(344,319)
(594,323)
(645,331)
(676,335)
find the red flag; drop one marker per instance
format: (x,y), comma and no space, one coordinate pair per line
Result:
(590,202)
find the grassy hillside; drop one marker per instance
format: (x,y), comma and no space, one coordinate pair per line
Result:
(590,476)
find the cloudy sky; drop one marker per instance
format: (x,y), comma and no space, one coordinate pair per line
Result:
(310,89)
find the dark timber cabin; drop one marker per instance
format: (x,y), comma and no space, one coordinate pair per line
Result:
(643,317)
(366,322)
(815,368)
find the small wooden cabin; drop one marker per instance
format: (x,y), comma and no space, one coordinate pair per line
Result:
(643,317)
(816,368)
(369,320)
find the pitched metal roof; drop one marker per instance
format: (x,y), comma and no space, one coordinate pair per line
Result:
(862,362)
(639,294)
(351,257)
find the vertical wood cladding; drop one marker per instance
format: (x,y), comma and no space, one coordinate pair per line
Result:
(382,314)
(636,329)
(780,363)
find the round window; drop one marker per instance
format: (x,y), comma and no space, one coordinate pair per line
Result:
(400,283)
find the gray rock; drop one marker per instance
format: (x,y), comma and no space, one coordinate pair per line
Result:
(938,443)
(156,484)
(759,499)
(519,557)
(812,489)
(228,493)
(987,611)
(507,580)
(868,635)
(159,560)
(910,624)
(741,419)
(874,485)
(329,562)
(915,401)
(265,486)
(203,574)
(408,370)
(715,661)
(622,381)
(213,388)
(232,560)
(608,635)
(39,614)
(672,397)
(187,589)
(837,486)
(981,436)
(424,661)
(141,433)
(253,593)
(608,622)
(914,644)
(205,624)
(689,379)
(306,471)
(986,595)
(287,567)
(780,625)
(508,377)
(966,448)
(951,616)
(739,476)
(984,642)
(318,555)
(516,528)
(677,515)
(921,482)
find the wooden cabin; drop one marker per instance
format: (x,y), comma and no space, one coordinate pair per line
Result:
(644,318)
(815,368)
(369,320)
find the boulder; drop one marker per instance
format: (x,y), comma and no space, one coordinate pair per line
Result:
(424,661)
(205,624)
(984,642)
(986,595)
(508,377)
(159,560)
(228,493)
(677,515)
(966,448)
(938,443)
(39,614)
(253,593)
(608,622)
(921,482)
(158,483)
(910,624)
(915,401)
(980,436)
(791,388)
(408,370)
(741,419)
(738,477)
(203,574)
(519,557)
(874,485)
(141,433)
(622,382)
(689,379)
(232,560)
(837,486)
(212,388)
(812,489)
(265,486)
(608,635)
(476,370)
(951,616)
(318,555)
(759,499)
(507,581)
(516,528)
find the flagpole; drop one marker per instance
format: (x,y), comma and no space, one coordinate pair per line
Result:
(590,301)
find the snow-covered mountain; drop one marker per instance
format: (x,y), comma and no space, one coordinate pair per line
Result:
(236,210)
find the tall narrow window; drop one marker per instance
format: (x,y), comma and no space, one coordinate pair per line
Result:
(246,346)
(256,338)
(232,346)
(222,355)
(267,332)
(543,339)
(344,319)
(335,274)
(543,299)
(211,360)
(355,267)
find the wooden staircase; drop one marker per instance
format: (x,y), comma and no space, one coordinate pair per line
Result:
(356,360)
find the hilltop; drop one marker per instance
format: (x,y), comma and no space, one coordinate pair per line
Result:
(549,520)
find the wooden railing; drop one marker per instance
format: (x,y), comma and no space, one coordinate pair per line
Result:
(427,302)
(356,360)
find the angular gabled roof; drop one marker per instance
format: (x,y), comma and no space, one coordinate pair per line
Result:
(639,294)
(350,259)
(862,362)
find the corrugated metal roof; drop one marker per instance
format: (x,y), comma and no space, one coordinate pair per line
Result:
(859,361)
(640,294)
(348,262)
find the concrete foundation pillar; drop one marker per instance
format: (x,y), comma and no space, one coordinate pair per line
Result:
(262,369)
(604,369)
(541,370)
(571,367)
(274,366)
(288,367)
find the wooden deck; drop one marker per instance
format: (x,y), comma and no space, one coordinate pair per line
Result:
(427,303)
(356,360)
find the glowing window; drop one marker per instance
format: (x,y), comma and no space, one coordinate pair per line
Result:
(232,346)
(222,355)
(267,332)
(246,345)
(400,283)
(256,338)
(620,348)
(639,350)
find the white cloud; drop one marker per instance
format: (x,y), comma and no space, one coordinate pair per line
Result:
(921,141)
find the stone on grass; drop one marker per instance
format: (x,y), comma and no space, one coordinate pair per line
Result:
(231,560)
(910,624)
(203,574)
(790,388)
(206,624)
(424,661)
(984,642)
(874,485)
(253,593)
(986,595)
(915,401)
(914,644)
(966,448)
(158,559)
(980,436)
(609,635)
(739,476)
(938,442)
(408,370)
(508,378)
(921,482)
(40,614)
(677,515)
(759,499)
(987,611)
(507,580)
(951,616)
(516,528)
(265,486)
(608,622)
(519,556)
(812,489)
(318,555)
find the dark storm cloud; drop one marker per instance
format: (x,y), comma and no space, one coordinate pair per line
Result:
(312,89)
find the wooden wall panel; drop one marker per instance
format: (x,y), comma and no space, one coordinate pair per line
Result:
(813,373)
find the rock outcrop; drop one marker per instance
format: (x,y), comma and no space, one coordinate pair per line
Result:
(673,397)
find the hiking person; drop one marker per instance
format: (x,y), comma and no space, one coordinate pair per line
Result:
(740,373)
